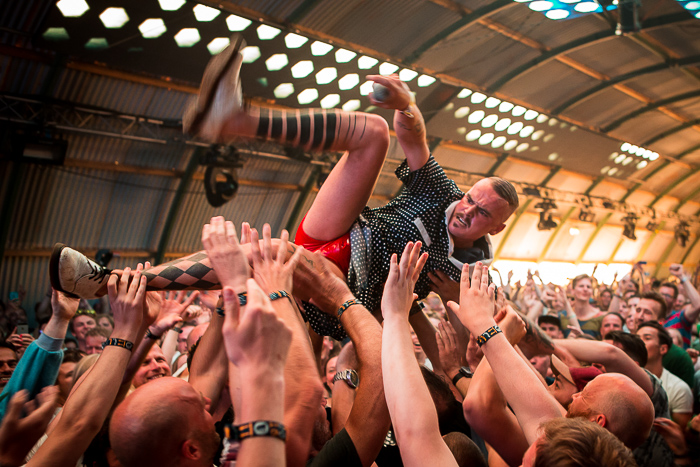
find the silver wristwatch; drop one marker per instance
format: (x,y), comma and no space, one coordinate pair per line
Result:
(349,376)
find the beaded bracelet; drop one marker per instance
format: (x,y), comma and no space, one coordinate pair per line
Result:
(119,343)
(488,334)
(256,428)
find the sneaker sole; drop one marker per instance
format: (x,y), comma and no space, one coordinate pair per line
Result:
(216,69)
(54,275)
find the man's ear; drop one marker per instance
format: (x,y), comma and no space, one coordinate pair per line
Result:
(663,349)
(496,230)
(600,419)
(190,450)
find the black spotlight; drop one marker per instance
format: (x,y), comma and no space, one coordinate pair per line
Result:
(220,179)
(630,224)
(546,222)
(682,233)
(219,191)
(103,257)
(586,216)
(627,17)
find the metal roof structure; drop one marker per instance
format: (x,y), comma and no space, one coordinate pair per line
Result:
(567,109)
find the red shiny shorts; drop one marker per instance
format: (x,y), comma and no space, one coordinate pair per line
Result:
(337,250)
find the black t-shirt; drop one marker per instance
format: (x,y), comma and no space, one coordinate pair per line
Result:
(338,451)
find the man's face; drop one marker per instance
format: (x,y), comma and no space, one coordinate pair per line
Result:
(106,323)
(552,330)
(585,403)
(93,344)
(481,211)
(605,299)
(155,366)
(65,378)
(668,294)
(541,364)
(583,290)
(330,371)
(182,339)
(646,310)
(610,323)
(8,362)
(562,390)
(650,337)
(81,325)
(680,302)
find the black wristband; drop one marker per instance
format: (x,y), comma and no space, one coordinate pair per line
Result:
(347,304)
(256,428)
(488,334)
(150,335)
(118,343)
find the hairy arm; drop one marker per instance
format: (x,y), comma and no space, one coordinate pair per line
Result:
(88,406)
(614,359)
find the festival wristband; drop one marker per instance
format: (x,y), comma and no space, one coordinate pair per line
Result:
(118,343)
(256,428)
(488,334)
(347,304)
(278,294)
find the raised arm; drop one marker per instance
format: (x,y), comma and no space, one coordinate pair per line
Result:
(367,422)
(87,407)
(408,121)
(257,343)
(530,401)
(614,359)
(303,388)
(412,410)
(693,310)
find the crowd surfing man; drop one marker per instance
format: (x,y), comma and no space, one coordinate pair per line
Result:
(454,227)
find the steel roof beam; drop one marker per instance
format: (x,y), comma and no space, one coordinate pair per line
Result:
(653,106)
(672,63)
(671,131)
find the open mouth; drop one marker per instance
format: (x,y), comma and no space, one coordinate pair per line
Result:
(151,378)
(463,221)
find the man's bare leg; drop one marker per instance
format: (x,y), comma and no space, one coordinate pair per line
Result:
(219,115)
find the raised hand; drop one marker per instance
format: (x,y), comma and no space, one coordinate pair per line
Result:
(398,290)
(444,286)
(63,306)
(270,273)
(448,350)
(256,339)
(24,423)
(228,259)
(399,96)
(327,290)
(126,301)
(476,302)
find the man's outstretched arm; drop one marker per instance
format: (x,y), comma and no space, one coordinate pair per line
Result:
(412,410)
(530,401)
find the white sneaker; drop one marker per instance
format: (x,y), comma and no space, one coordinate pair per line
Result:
(220,94)
(74,274)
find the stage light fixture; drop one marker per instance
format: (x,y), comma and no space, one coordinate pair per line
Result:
(546,222)
(586,216)
(220,177)
(628,17)
(630,224)
(682,233)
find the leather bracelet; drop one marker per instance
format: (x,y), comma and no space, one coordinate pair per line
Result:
(488,334)
(347,304)
(125,344)
(256,428)
(177,329)
(150,335)
(278,294)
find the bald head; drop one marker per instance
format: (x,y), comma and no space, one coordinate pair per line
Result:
(617,403)
(146,418)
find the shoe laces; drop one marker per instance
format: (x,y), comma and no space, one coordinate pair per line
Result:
(98,272)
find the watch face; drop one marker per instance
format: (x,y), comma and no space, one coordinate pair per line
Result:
(353,379)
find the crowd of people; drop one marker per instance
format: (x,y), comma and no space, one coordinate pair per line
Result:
(378,337)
